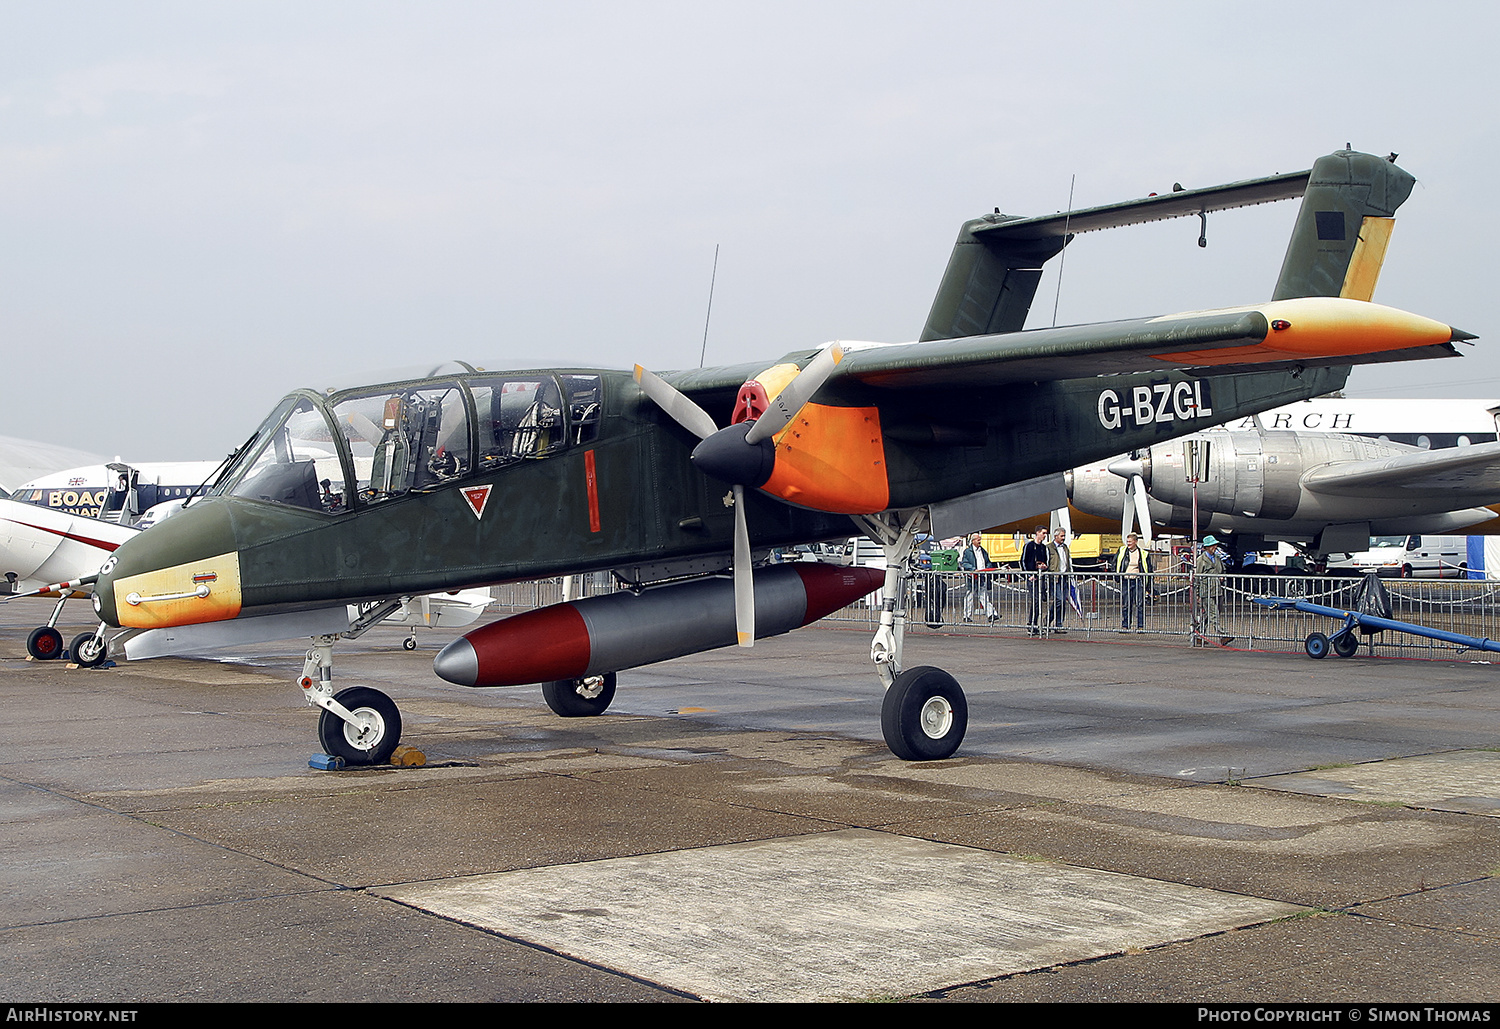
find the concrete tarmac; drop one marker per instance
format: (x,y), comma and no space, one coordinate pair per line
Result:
(1125,821)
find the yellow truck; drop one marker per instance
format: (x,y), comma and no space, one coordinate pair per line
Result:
(1089,549)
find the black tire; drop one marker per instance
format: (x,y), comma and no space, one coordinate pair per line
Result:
(45,643)
(1406,571)
(409,644)
(1345,645)
(571,698)
(937,600)
(925,715)
(1316,646)
(370,745)
(89,650)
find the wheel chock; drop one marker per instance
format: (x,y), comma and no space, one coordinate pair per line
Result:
(408,757)
(325,762)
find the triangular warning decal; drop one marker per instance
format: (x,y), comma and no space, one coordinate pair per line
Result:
(476,497)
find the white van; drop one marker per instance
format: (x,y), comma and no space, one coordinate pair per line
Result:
(1427,557)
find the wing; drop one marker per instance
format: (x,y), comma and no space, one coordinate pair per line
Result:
(1306,331)
(1470,475)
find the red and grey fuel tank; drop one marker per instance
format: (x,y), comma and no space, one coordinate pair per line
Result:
(625,630)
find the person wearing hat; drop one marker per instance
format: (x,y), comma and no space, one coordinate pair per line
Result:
(1134,573)
(1211,566)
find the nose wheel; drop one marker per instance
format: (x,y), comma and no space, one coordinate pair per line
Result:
(370,734)
(89,650)
(358,724)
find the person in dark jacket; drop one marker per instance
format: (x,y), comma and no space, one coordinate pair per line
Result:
(1034,565)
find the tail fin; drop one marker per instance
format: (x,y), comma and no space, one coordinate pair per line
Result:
(990,281)
(1339,241)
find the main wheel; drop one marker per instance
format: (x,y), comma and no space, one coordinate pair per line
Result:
(373,735)
(925,715)
(580,698)
(410,643)
(89,650)
(1316,646)
(1345,645)
(44,643)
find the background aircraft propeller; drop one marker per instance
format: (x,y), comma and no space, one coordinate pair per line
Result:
(741,455)
(1137,507)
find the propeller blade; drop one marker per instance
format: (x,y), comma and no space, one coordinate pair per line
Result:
(1142,506)
(796,394)
(676,403)
(1063,518)
(744,579)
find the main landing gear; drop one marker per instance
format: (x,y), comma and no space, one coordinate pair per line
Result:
(580,698)
(925,715)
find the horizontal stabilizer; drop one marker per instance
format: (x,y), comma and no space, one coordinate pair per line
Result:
(1181,204)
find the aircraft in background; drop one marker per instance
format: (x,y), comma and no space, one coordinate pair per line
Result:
(116,491)
(1395,468)
(22,460)
(676,483)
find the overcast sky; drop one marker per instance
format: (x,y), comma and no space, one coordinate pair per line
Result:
(205,205)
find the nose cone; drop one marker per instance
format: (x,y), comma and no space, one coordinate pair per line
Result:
(458,663)
(727,457)
(185,554)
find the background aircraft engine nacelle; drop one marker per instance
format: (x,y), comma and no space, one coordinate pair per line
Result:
(624,630)
(1249,475)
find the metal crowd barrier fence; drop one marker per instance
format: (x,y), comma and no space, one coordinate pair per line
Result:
(1180,608)
(1175,607)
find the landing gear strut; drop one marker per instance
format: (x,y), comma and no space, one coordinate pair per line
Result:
(925,715)
(90,649)
(45,643)
(359,724)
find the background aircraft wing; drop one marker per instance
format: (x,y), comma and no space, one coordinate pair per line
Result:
(1467,474)
(22,460)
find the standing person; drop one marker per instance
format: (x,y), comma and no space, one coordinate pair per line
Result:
(1034,566)
(975,560)
(1060,564)
(1210,566)
(1135,574)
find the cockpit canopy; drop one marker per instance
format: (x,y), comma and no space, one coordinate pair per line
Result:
(368,445)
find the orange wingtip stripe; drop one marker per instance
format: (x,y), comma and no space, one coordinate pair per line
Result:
(1317,327)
